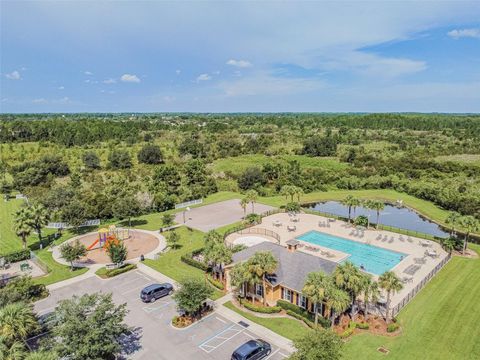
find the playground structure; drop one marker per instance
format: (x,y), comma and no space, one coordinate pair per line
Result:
(108,236)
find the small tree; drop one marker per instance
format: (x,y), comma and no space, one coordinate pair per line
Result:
(243,205)
(117,251)
(72,252)
(125,207)
(252,197)
(191,295)
(91,160)
(119,159)
(40,217)
(150,154)
(319,345)
(168,220)
(263,263)
(17,322)
(172,239)
(88,327)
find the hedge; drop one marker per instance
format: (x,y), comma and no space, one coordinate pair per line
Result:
(349,331)
(215,283)
(103,272)
(288,306)
(188,259)
(363,326)
(260,309)
(17,256)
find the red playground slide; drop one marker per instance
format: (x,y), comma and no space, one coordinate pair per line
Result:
(93,244)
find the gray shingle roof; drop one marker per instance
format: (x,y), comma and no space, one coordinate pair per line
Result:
(293,267)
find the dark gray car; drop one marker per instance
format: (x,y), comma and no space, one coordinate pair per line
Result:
(155,291)
(252,350)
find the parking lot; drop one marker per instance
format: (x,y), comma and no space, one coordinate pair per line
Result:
(214,337)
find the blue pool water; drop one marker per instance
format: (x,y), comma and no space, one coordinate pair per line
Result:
(373,259)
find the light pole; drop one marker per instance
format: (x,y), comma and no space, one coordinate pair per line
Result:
(184,212)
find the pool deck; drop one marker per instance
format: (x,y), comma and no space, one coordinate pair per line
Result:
(414,250)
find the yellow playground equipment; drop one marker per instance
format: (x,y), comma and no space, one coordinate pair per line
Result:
(104,234)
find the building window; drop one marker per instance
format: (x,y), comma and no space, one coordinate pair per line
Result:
(259,290)
(303,302)
(287,295)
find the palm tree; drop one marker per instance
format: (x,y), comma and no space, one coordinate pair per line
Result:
(218,255)
(337,300)
(15,351)
(243,204)
(470,224)
(355,203)
(212,238)
(287,190)
(252,197)
(377,206)
(315,288)
(452,219)
(241,277)
(389,282)
(23,224)
(448,244)
(370,292)
(263,263)
(349,201)
(347,277)
(40,218)
(17,322)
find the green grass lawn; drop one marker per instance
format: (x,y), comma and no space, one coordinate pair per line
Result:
(8,239)
(58,272)
(441,322)
(289,328)
(170,264)
(237,165)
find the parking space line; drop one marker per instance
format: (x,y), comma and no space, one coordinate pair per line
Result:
(282,354)
(204,344)
(128,282)
(137,288)
(273,353)
(221,320)
(145,276)
(149,309)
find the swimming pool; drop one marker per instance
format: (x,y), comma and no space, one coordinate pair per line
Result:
(374,259)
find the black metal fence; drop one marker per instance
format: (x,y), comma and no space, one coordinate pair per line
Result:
(396,309)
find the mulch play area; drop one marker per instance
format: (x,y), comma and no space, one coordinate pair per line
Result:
(139,243)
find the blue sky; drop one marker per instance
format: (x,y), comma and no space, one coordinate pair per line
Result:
(93,56)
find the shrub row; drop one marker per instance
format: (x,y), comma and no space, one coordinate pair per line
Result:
(215,283)
(260,309)
(303,313)
(188,259)
(309,323)
(363,326)
(17,256)
(118,271)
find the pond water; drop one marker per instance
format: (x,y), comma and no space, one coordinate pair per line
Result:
(399,217)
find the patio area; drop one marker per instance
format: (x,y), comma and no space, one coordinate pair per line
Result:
(21,268)
(421,256)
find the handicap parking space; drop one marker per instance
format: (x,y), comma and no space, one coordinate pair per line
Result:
(214,337)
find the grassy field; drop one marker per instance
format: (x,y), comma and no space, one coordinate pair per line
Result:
(442,322)
(170,264)
(8,239)
(473,159)
(237,165)
(289,328)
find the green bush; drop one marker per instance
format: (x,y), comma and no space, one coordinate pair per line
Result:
(103,272)
(22,289)
(188,259)
(363,326)
(17,256)
(260,309)
(215,283)
(349,331)
(308,322)
(308,316)
(393,327)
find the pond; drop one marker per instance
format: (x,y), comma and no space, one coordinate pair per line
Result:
(400,217)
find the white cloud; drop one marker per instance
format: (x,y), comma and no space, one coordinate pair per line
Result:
(39,101)
(130,78)
(14,75)
(178,71)
(265,84)
(169,99)
(61,87)
(109,81)
(460,33)
(89,73)
(239,63)
(203,77)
